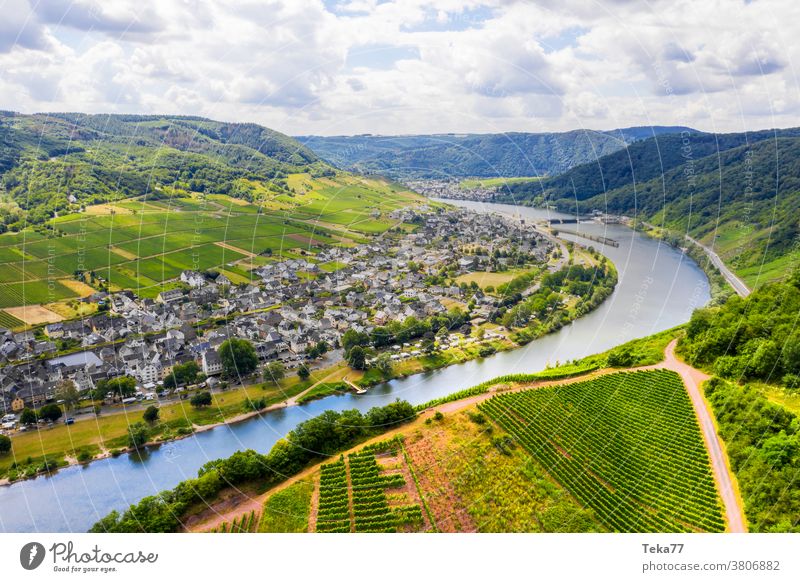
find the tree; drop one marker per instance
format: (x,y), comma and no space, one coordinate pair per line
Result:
(51,412)
(68,392)
(28,416)
(317,350)
(182,374)
(353,338)
(356,358)
(151,414)
(138,433)
(791,353)
(5,444)
(274,372)
(201,399)
(122,386)
(303,372)
(384,363)
(428,342)
(238,357)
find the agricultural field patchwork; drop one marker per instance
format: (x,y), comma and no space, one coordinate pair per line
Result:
(141,244)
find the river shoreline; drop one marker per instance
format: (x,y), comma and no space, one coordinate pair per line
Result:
(505,345)
(657,289)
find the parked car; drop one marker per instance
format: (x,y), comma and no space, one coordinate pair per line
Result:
(70,420)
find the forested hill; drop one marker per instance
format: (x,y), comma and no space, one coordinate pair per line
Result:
(46,160)
(738,192)
(475,155)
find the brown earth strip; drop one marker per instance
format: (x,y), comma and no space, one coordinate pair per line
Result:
(123,253)
(306,240)
(313,510)
(443,501)
(34,314)
(235,249)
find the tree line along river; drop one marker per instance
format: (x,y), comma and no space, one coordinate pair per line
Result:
(658,289)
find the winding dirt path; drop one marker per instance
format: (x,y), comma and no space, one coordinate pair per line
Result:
(693,379)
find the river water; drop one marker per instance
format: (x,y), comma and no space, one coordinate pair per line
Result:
(658,288)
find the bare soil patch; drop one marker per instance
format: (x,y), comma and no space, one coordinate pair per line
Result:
(104,209)
(313,511)
(444,503)
(306,240)
(34,314)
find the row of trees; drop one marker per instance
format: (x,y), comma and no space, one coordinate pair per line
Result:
(358,345)
(313,439)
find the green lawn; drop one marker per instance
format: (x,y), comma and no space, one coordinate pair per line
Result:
(473,183)
(287,510)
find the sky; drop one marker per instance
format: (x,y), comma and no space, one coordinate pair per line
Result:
(340,67)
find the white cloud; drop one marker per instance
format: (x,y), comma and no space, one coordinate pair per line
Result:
(473,65)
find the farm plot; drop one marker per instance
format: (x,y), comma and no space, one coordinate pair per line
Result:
(170,265)
(333,515)
(367,487)
(8,321)
(625,445)
(370,507)
(35,292)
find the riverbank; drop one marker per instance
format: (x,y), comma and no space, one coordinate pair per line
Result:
(650,355)
(720,286)
(657,289)
(102,436)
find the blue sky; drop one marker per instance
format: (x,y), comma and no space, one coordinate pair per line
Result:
(409,66)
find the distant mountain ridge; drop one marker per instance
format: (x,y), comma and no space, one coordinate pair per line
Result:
(739,192)
(476,155)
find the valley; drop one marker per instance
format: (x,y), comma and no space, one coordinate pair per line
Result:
(350,291)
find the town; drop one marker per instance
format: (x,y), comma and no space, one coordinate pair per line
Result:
(292,312)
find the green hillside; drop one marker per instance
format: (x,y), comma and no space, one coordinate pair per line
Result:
(754,346)
(735,192)
(50,160)
(128,202)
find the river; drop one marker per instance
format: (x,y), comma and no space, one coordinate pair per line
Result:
(658,288)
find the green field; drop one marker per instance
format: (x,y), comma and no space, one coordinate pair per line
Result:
(625,445)
(334,514)
(33,293)
(141,244)
(472,183)
(9,321)
(287,510)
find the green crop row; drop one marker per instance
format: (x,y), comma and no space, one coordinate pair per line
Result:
(626,445)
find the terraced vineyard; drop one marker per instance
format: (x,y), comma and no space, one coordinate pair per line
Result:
(625,445)
(372,511)
(370,506)
(334,511)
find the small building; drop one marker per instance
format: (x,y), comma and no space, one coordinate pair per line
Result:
(170,296)
(193,279)
(211,363)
